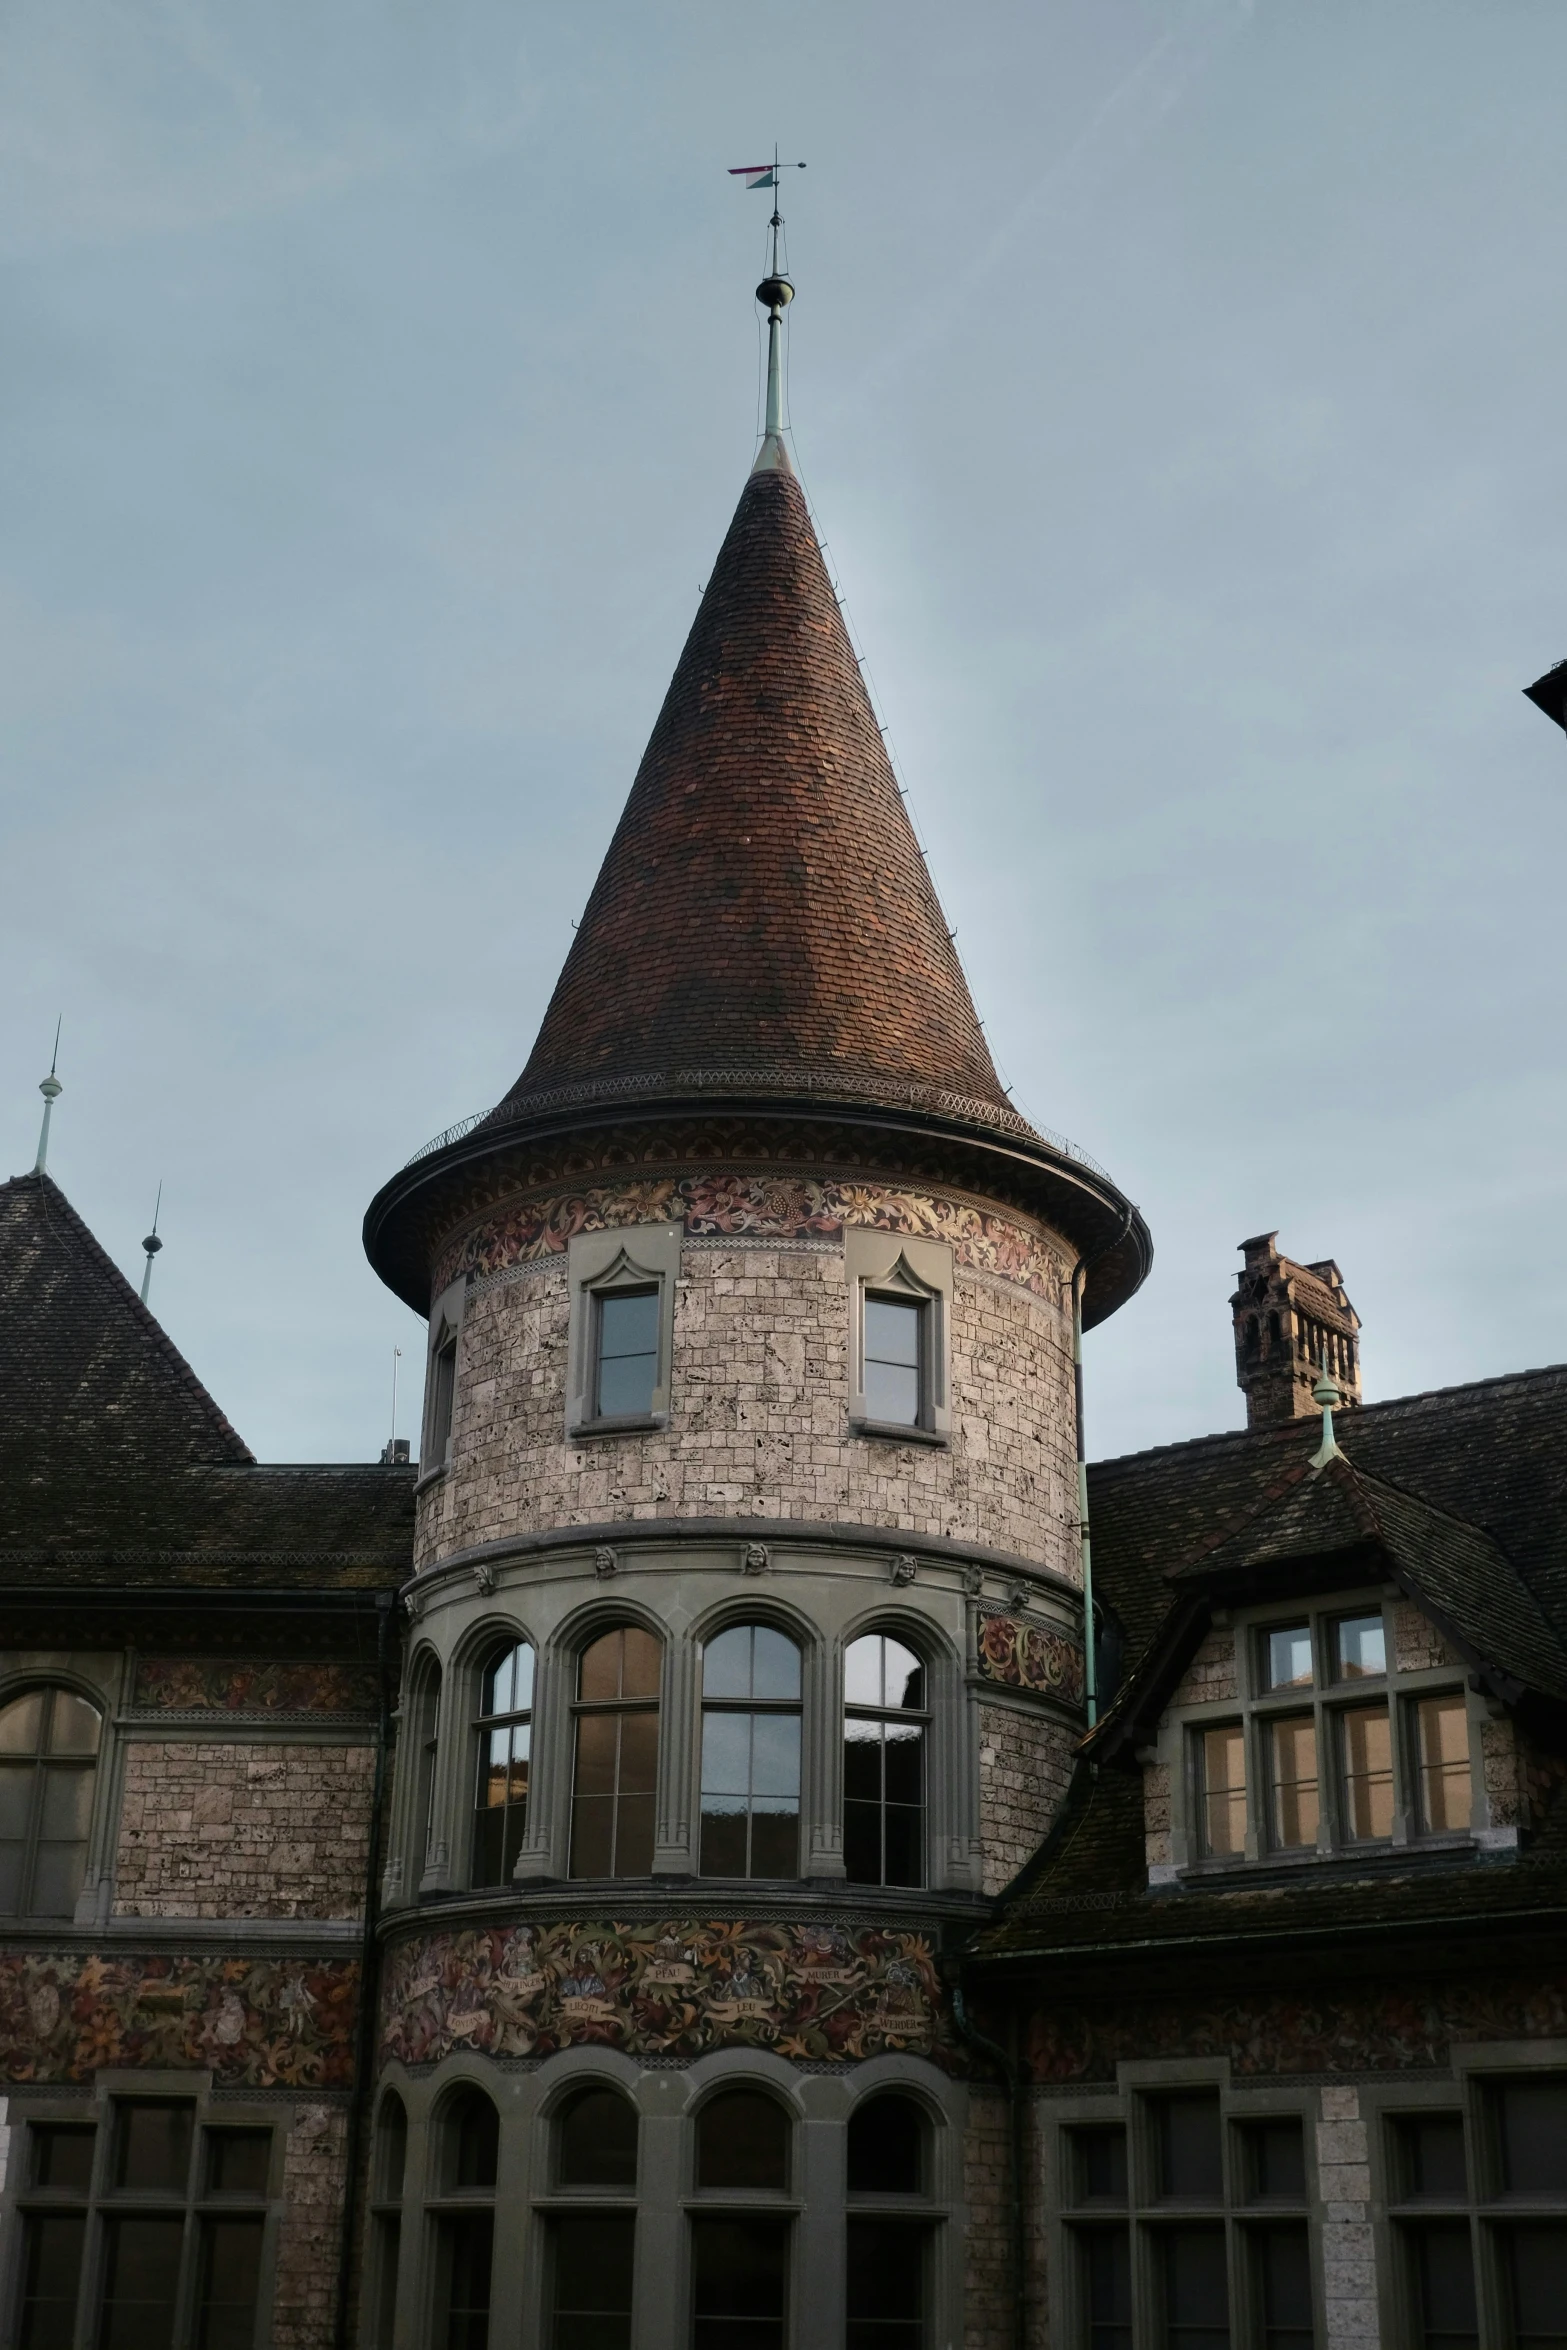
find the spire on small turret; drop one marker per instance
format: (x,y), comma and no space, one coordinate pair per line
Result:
(775,293)
(51,1089)
(1325,1395)
(151,1244)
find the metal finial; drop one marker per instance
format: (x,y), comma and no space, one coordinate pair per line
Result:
(1326,1393)
(51,1089)
(775,293)
(151,1244)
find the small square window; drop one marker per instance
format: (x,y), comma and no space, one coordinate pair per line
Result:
(1286,1657)
(1359,1648)
(238,2162)
(1275,2155)
(1531,2121)
(1099,2165)
(62,2155)
(1431,2166)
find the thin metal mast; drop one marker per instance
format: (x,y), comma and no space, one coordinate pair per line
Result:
(151,1244)
(51,1089)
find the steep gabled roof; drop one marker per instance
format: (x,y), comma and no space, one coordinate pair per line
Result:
(89,1381)
(764,911)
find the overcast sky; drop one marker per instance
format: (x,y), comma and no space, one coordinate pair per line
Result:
(1178,386)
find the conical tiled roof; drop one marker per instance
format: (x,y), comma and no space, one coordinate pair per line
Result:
(764,915)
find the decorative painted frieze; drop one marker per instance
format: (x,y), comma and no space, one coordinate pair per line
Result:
(806,1992)
(763,1207)
(1378,2029)
(193,1683)
(264,2023)
(1027,1656)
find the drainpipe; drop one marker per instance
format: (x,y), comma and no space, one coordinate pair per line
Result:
(1012,2075)
(369,1977)
(1084,1551)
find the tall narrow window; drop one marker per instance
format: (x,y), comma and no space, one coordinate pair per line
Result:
(750,1754)
(625,1352)
(888,2254)
(1442,1743)
(1222,1767)
(468,2153)
(1366,1768)
(1194,2288)
(1293,1773)
(896,1347)
(504,1730)
(388,2171)
(739,2259)
(425,1742)
(443,1393)
(617,1755)
(593,2252)
(48,1758)
(883,1763)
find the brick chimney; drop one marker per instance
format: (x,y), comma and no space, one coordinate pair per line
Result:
(1285,1315)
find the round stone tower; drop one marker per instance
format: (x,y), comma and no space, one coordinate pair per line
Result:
(745,1646)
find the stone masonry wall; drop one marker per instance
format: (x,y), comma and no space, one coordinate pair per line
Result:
(1025,1768)
(1210,1677)
(987,2189)
(304,2301)
(758,1414)
(243,1830)
(1417,1644)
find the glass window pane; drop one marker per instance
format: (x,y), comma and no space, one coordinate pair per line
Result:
(18,1785)
(737,2283)
(626,1384)
(1532,2119)
(775,1838)
(508,1684)
(462,2281)
(775,1754)
(230,2284)
(67,1802)
(892,1331)
(1196,2288)
(1366,1746)
(472,2130)
(593,1836)
(1287,1657)
(742,2141)
(726,1755)
(598,1674)
(903,1756)
(53,2248)
(862,1671)
(238,2161)
(1535,2268)
(1191,2166)
(1442,1736)
(886,2147)
(892,1395)
(862,1843)
(1282,2261)
(21,1723)
(627,1353)
(391,2159)
(725,1838)
(1223,1753)
(597,2140)
(62,2155)
(1099,2157)
(140,2282)
(777,1665)
(904,1676)
(1293,1749)
(75,1725)
(726,1663)
(628,1322)
(1106,2255)
(638,1753)
(385,2257)
(1359,1647)
(1431,2156)
(593,2265)
(904,1833)
(598,1748)
(1276,2156)
(153,2146)
(641,1656)
(634,1836)
(885,2277)
(1444,2286)
(57,1879)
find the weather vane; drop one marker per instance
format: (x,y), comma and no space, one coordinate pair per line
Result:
(765,175)
(775,293)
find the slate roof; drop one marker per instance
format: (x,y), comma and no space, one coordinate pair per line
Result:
(117,1468)
(764,907)
(1459,1494)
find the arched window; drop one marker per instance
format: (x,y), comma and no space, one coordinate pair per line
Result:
(1253,1334)
(592,2253)
(617,1755)
(505,1728)
(425,1709)
(750,1754)
(883,1763)
(467,2157)
(48,1758)
(889,2250)
(1275,1335)
(739,2258)
(388,2168)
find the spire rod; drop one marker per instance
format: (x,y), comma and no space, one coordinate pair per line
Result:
(775,293)
(1326,1393)
(151,1244)
(51,1089)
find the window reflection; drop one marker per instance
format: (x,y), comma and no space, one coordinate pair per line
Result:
(883,1763)
(1293,1758)
(504,1738)
(48,1761)
(1359,1648)
(1287,1657)
(1366,1747)
(750,1754)
(617,1755)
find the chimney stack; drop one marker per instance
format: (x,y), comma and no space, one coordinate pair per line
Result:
(1286,1317)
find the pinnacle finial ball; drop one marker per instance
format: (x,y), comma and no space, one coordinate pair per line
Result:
(775,293)
(152,1244)
(51,1088)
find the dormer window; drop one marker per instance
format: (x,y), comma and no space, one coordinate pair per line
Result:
(1327,1746)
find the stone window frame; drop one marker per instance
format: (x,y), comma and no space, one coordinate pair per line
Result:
(630,1256)
(1127,2103)
(898,1262)
(424,1868)
(94,2104)
(1178,1747)
(103,1677)
(1459,2087)
(445,1332)
(419,1842)
(666,2099)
